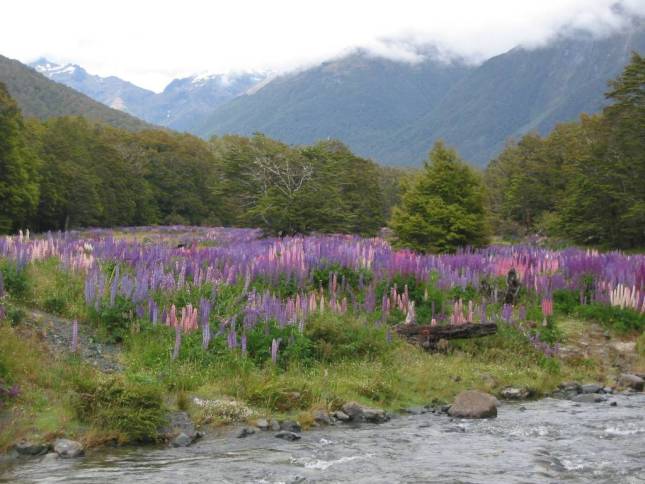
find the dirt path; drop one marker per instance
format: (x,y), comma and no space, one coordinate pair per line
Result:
(592,341)
(57,332)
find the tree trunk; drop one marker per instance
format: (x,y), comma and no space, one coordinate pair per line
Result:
(428,336)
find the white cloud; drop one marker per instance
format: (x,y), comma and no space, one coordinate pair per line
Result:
(150,42)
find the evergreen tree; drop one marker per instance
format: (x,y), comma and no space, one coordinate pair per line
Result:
(443,208)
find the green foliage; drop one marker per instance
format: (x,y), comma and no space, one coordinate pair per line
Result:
(582,182)
(16,280)
(621,320)
(113,321)
(334,340)
(133,409)
(18,168)
(443,209)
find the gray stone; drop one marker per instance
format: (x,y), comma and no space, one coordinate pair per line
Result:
(275,425)
(591,388)
(358,413)
(68,448)
(608,390)
(321,417)
(290,426)
(245,432)
(570,387)
(589,398)
(511,393)
(262,424)
(31,448)
(342,416)
(49,458)
(182,440)
(286,435)
(613,404)
(474,404)
(178,423)
(632,381)
(415,410)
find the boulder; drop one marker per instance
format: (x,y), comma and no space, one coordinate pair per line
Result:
(68,448)
(179,423)
(474,404)
(31,448)
(181,440)
(262,424)
(245,432)
(321,417)
(275,425)
(511,393)
(591,388)
(290,426)
(359,413)
(342,416)
(286,435)
(632,381)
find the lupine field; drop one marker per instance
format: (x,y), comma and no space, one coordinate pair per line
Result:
(230,285)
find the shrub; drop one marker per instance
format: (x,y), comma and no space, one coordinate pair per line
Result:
(133,409)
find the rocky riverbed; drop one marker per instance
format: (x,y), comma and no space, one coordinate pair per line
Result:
(550,440)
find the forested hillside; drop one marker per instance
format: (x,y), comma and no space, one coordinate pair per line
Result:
(42,98)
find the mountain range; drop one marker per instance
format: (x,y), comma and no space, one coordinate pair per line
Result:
(384,109)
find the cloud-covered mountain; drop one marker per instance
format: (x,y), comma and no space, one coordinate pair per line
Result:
(393,112)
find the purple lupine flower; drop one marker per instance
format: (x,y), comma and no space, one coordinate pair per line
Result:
(74,344)
(175,352)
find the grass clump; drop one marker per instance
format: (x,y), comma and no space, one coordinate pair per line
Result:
(133,409)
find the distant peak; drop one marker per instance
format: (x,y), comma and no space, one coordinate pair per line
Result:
(48,68)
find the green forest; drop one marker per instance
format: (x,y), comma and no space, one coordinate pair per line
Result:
(583,183)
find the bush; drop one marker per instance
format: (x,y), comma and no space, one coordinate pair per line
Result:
(621,320)
(336,338)
(135,410)
(15,280)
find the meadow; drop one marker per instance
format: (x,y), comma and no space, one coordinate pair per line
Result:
(284,326)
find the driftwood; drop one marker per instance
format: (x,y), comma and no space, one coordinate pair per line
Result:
(428,336)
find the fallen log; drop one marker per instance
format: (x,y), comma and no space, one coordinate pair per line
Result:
(428,336)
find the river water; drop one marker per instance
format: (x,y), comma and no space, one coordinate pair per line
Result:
(544,441)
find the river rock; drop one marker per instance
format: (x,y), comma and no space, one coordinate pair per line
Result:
(245,432)
(321,417)
(511,393)
(415,410)
(262,424)
(474,404)
(275,425)
(591,388)
(31,448)
(589,398)
(68,448)
(359,413)
(286,435)
(179,423)
(342,416)
(182,440)
(290,426)
(632,381)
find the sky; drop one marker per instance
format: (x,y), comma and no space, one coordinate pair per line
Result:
(151,42)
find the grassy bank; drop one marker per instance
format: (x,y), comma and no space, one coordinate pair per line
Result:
(334,358)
